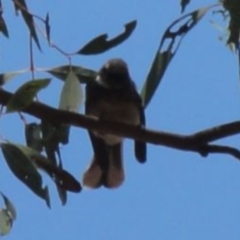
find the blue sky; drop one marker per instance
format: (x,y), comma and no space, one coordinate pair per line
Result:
(175,195)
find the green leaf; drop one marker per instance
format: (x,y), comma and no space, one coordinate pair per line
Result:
(33,136)
(3,26)
(7,216)
(62,134)
(72,94)
(16,6)
(184,3)
(62,193)
(22,167)
(84,75)
(28,18)
(53,136)
(9,206)
(60,176)
(24,96)
(155,75)
(5,77)
(172,39)
(100,44)
(47,27)
(6,222)
(233,7)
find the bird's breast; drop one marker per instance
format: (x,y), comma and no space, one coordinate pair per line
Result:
(119,111)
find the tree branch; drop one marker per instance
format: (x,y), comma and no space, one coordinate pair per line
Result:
(197,142)
(207,149)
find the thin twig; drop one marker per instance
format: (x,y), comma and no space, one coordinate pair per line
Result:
(32,68)
(220,149)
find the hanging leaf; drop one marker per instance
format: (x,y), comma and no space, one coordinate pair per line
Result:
(24,96)
(233,7)
(62,177)
(7,216)
(21,166)
(172,39)
(51,140)
(62,134)
(100,44)
(33,136)
(5,77)
(62,193)
(47,27)
(16,7)
(3,26)
(6,222)
(28,18)
(155,75)
(184,3)
(84,75)
(9,206)
(52,137)
(72,94)
(70,100)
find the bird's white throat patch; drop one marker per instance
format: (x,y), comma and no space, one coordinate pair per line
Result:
(101,82)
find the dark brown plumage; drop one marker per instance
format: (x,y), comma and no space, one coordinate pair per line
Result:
(112,96)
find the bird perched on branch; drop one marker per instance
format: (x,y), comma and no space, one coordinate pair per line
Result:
(112,97)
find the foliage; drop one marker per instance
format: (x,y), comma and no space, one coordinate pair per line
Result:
(43,139)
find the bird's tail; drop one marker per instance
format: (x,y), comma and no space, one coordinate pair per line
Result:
(107,172)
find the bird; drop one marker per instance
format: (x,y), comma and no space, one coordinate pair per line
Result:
(112,96)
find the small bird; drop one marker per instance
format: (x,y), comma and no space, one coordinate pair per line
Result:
(112,97)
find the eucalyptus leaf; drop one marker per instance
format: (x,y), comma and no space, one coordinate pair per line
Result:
(51,140)
(184,4)
(47,27)
(7,216)
(3,27)
(62,134)
(9,206)
(70,100)
(24,169)
(33,136)
(62,177)
(6,222)
(172,39)
(155,75)
(5,77)
(52,137)
(24,96)
(233,7)
(28,18)
(72,94)
(84,75)
(100,44)
(62,193)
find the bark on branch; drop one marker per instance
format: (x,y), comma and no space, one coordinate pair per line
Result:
(198,142)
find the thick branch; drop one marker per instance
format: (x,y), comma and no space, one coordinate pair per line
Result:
(197,142)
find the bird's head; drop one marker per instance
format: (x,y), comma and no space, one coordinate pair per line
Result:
(114,74)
